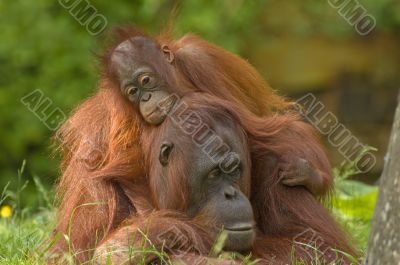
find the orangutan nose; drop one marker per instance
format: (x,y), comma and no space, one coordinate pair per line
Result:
(230,193)
(146,97)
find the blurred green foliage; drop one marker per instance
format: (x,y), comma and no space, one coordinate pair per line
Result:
(43,47)
(353,202)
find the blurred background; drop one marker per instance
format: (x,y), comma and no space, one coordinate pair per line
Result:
(298,46)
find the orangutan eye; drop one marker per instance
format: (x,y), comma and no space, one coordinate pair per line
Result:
(147,81)
(235,173)
(215,173)
(165,152)
(236,170)
(143,80)
(131,91)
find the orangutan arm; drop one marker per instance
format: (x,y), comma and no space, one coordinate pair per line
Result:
(142,240)
(299,172)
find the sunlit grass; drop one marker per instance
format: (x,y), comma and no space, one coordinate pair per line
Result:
(21,243)
(20,239)
(25,233)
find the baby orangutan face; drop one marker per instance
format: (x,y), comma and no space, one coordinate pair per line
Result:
(133,63)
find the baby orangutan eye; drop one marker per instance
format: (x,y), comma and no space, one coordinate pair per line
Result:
(147,81)
(131,91)
(144,79)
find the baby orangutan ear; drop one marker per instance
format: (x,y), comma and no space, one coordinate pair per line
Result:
(165,151)
(169,55)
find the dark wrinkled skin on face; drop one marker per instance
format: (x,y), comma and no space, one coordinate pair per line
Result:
(134,64)
(212,193)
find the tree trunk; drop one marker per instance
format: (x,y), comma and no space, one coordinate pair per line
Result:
(384,240)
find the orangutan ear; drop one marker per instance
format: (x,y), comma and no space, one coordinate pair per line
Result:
(165,151)
(169,55)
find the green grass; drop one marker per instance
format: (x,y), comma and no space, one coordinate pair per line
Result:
(20,238)
(24,236)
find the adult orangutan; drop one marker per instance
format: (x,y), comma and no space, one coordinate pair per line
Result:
(102,170)
(210,166)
